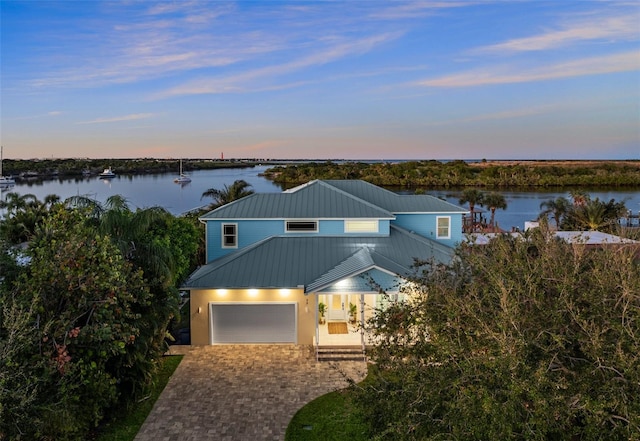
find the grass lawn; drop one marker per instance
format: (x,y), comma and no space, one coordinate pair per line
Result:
(126,426)
(331,417)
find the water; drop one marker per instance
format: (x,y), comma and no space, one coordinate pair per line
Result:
(523,206)
(159,190)
(143,191)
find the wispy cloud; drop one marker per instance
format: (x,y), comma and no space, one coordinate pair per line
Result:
(159,41)
(598,27)
(622,62)
(415,9)
(132,117)
(248,81)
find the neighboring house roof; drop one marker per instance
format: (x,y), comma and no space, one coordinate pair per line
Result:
(393,202)
(315,200)
(317,262)
(574,237)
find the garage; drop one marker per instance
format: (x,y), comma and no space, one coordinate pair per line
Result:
(253,323)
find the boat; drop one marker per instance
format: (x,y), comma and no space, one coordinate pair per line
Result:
(182,179)
(5,181)
(107,173)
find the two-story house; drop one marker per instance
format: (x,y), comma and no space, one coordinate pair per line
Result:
(273,259)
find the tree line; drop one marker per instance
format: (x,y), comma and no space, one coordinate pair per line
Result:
(436,174)
(48,168)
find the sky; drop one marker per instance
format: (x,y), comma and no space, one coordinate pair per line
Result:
(358,79)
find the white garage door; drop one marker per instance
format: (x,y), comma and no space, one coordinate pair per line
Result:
(253,323)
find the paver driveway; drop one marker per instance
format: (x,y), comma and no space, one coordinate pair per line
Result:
(241,392)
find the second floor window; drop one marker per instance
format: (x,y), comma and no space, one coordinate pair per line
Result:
(444,227)
(229,235)
(301,226)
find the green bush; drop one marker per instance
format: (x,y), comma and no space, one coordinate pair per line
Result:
(520,339)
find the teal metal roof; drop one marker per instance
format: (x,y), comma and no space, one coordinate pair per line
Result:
(315,200)
(316,262)
(394,202)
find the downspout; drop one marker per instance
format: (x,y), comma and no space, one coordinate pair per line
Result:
(362,322)
(317,320)
(317,339)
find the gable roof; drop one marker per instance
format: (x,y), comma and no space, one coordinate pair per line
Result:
(315,199)
(317,262)
(393,202)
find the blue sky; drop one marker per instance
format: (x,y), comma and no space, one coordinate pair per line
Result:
(556,79)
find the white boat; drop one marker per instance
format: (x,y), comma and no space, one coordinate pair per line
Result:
(107,173)
(182,179)
(5,181)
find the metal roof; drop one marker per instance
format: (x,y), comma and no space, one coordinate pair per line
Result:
(393,202)
(316,262)
(315,200)
(573,237)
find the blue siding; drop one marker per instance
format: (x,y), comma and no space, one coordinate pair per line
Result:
(249,232)
(255,230)
(426,225)
(367,282)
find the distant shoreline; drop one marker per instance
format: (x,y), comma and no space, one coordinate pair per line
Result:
(45,169)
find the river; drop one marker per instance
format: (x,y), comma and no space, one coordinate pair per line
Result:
(159,190)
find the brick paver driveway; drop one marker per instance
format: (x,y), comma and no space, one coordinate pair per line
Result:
(240,392)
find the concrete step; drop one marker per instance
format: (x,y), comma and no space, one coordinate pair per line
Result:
(340,353)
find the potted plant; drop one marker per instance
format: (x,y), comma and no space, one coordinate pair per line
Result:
(353,311)
(322,309)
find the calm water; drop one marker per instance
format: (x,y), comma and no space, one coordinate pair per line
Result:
(159,190)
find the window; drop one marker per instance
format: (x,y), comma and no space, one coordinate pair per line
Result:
(361,226)
(444,227)
(301,226)
(229,235)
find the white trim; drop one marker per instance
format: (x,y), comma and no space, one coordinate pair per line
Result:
(448,236)
(314,221)
(223,235)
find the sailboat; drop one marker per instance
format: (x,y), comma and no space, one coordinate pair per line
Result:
(5,181)
(182,179)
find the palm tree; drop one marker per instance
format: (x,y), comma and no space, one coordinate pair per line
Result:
(25,213)
(229,193)
(473,196)
(494,201)
(580,198)
(559,207)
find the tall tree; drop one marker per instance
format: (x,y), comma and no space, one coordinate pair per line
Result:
(494,201)
(70,330)
(524,338)
(229,193)
(473,196)
(164,248)
(558,207)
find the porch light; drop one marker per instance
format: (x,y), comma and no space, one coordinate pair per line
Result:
(253,292)
(284,293)
(222,292)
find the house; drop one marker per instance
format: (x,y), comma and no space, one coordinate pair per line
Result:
(272,259)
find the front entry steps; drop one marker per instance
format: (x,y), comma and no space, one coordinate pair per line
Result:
(340,353)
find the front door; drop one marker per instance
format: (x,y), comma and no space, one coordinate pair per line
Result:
(337,307)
